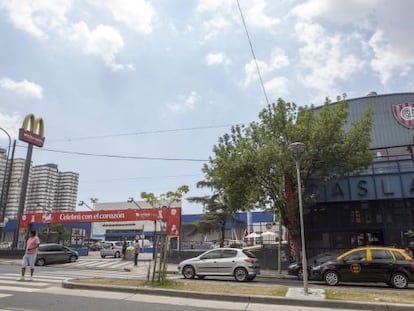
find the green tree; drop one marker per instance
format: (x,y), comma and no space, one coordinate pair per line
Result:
(218,213)
(251,163)
(165,199)
(55,233)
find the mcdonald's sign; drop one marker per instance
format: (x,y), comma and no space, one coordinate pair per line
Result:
(32,131)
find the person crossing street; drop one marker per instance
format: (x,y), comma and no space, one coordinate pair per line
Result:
(136,252)
(29,258)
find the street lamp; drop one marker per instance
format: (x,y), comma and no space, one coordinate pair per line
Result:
(2,203)
(297,150)
(84,203)
(131,200)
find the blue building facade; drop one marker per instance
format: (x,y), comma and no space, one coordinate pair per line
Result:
(375,206)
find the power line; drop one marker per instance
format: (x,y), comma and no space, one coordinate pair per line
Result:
(254,55)
(142,133)
(118,156)
(128,179)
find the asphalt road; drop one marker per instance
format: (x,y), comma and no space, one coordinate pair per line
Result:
(46,293)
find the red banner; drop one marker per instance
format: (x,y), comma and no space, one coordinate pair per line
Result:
(172,215)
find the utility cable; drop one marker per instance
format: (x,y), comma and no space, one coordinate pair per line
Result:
(141,133)
(254,55)
(118,156)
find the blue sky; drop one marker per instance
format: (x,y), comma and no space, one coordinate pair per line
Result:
(163,80)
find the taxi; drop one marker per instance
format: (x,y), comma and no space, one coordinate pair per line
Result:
(390,265)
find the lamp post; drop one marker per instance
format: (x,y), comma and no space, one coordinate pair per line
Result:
(297,150)
(3,202)
(84,203)
(131,200)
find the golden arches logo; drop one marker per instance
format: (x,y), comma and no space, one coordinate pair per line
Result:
(33,130)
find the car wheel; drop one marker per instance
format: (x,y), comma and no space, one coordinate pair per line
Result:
(251,277)
(103,256)
(399,280)
(117,255)
(331,278)
(188,272)
(40,262)
(240,274)
(72,258)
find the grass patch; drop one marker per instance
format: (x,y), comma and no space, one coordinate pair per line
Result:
(202,286)
(371,296)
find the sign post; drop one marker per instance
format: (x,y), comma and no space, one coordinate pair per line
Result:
(33,135)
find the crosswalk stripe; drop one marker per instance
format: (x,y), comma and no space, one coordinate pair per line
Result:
(19,289)
(4,295)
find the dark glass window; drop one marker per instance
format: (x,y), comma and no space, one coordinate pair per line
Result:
(381,254)
(357,255)
(229,253)
(398,255)
(212,254)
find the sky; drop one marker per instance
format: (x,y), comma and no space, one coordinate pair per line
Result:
(134,94)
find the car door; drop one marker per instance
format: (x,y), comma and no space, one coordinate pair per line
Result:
(353,266)
(207,264)
(381,265)
(227,262)
(58,253)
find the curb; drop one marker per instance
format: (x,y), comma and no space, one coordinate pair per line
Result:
(332,304)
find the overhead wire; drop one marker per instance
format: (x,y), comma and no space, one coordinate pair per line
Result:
(118,156)
(253,53)
(141,133)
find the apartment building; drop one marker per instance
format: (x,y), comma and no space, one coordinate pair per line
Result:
(48,189)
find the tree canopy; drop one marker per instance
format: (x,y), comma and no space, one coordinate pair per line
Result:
(251,162)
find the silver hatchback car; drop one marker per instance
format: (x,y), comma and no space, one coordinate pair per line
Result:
(112,249)
(241,264)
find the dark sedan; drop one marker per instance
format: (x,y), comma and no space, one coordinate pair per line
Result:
(296,268)
(55,253)
(392,266)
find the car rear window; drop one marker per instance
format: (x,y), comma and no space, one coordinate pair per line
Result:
(381,254)
(398,255)
(249,254)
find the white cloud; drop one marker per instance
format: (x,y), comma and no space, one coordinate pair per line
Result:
(137,14)
(217,58)
(104,41)
(185,102)
(37,17)
(386,59)
(278,60)
(256,16)
(224,16)
(338,11)
(325,58)
(277,87)
(385,30)
(24,88)
(216,26)
(215,5)
(11,124)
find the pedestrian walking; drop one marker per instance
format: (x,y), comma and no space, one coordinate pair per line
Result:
(29,258)
(124,247)
(136,252)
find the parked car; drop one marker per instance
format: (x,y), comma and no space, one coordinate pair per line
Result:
(241,264)
(296,268)
(392,266)
(5,244)
(55,253)
(111,248)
